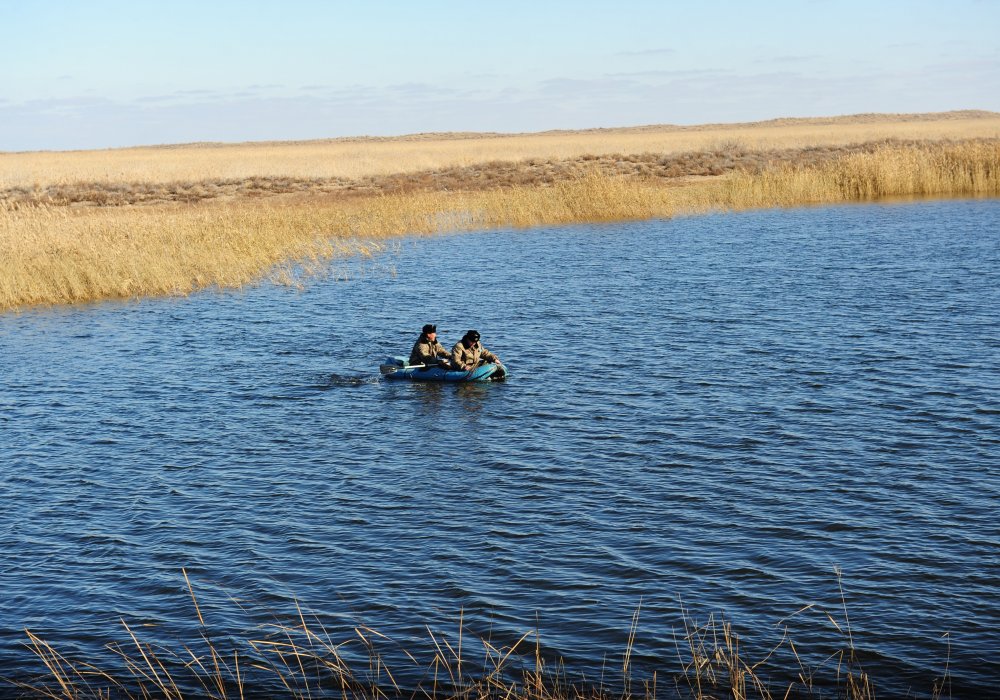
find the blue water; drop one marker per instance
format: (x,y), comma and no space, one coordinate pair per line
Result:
(715,413)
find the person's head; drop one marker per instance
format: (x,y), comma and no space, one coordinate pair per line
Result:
(430,331)
(470,338)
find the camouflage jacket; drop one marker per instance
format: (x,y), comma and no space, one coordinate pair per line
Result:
(426,352)
(467,358)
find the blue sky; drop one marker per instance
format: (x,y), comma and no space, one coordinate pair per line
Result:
(106,73)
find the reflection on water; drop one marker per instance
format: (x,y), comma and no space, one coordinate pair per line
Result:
(718,410)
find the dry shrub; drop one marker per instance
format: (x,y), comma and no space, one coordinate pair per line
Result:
(481,176)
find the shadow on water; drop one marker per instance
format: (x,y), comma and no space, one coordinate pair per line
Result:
(336,381)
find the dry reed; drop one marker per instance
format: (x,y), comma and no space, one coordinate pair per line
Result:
(54,255)
(676,167)
(968,169)
(360,157)
(298,658)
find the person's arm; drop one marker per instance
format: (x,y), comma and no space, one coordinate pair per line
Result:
(488,356)
(456,356)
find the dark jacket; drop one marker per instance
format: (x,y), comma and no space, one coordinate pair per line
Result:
(426,352)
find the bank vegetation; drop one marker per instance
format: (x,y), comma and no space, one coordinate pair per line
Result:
(79,227)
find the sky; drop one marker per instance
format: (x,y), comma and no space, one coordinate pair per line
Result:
(107,73)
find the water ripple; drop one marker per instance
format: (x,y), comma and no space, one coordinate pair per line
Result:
(713,412)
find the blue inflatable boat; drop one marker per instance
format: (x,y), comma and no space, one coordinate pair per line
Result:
(397,368)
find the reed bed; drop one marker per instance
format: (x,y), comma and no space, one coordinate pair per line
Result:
(723,159)
(57,254)
(297,657)
(968,169)
(354,158)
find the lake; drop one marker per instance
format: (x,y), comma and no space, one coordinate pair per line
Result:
(706,417)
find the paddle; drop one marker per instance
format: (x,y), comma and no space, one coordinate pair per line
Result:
(389,369)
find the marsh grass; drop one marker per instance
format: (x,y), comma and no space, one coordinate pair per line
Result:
(968,169)
(58,254)
(355,158)
(298,657)
(721,159)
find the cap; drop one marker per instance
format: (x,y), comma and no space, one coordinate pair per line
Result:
(472,335)
(430,328)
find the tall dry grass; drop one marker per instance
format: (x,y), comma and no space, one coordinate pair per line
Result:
(358,158)
(52,255)
(297,657)
(59,255)
(926,170)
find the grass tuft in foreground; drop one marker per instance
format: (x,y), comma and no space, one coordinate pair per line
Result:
(299,659)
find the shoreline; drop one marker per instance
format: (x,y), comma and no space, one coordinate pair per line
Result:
(677,170)
(67,253)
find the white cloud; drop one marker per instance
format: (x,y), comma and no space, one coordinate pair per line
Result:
(647,52)
(785,60)
(274,112)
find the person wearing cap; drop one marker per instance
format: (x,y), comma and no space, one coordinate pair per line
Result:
(468,353)
(428,351)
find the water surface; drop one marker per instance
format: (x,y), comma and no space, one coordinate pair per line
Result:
(717,413)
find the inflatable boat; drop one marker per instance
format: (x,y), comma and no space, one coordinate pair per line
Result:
(398,368)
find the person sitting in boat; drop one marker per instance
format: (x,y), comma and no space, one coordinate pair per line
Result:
(428,351)
(468,353)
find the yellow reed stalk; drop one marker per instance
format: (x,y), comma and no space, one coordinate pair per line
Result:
(56,664)
(64,255)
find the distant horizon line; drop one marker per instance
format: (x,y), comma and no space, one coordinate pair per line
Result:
(859,117)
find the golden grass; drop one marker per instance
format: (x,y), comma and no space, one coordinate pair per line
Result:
(298,658)
(480,176)
(927,170)
(358,158)
(55,255)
